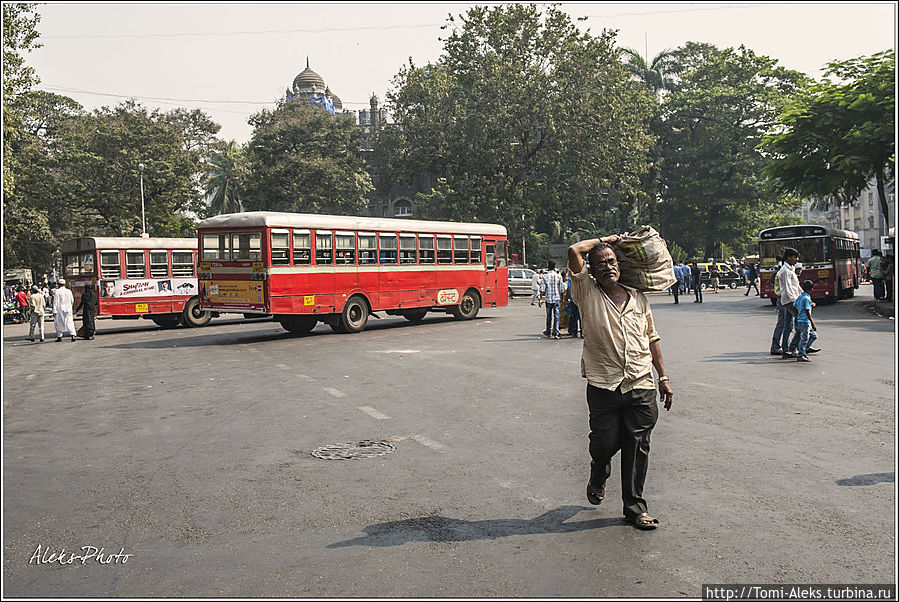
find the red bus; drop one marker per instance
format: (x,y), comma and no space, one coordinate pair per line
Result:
(153,278)
(305,268)
(829,258)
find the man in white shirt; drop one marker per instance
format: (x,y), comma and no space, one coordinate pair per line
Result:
(535,287)
(789,292)
(621,347)
(64,316)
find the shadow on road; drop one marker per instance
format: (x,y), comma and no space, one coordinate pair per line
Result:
(235,338)
(745,357)
(863,480)
(439,528)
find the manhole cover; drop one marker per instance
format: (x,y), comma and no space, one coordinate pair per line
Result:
(352,451)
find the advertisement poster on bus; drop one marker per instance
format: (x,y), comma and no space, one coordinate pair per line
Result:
(124,289)
(235,293)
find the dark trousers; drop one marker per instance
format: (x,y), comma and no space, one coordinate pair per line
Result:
(622,421)
(574,322)
(697,290)
(675,288)
(879,291)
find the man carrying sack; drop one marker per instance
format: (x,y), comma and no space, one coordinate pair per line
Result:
(617,361)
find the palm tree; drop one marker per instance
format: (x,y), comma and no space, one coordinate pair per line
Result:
(223,180)
(658,75)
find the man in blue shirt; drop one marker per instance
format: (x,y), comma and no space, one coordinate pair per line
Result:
(551,289)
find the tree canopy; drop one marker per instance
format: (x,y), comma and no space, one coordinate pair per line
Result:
(711,183)
(522,120)
(837,135)
(301,158)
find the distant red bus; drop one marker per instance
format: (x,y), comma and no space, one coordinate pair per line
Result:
(153,278)
(304,268)
(829,258)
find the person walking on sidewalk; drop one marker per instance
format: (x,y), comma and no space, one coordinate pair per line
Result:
(38,308)
(64,317)
(551,290)
(621,347)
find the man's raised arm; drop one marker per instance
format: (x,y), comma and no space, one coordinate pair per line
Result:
(577,251)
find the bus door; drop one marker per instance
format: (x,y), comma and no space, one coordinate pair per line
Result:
(490,285)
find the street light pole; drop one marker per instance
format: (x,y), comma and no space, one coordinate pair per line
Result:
(143,219)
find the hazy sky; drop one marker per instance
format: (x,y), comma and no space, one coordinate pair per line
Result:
(231,60)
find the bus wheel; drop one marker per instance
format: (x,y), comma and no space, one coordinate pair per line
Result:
(468,308)
(298,324)
(354,316)
(166,320)
(415,315)
(193,316)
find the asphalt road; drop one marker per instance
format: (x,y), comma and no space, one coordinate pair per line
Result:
(190,451)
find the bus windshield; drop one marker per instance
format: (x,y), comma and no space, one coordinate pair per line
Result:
(811,250)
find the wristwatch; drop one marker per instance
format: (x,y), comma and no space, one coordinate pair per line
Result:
(661,378)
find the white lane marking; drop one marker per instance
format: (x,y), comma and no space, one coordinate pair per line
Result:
(374,413)
(335,392)
(282,366)
(428,442)
(30,376)
(400,351)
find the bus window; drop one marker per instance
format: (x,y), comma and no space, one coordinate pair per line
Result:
(323,248)
(135,264)
(426,248)
(368,249)
(182,264)
(110,265)
(491,257)
(217,246)
(280,243)
(302,247)
(388,248)
(87,264)
(407,248)
(246,246)
(159,264)
(461,254)
(500,253)
(444,249)
(346,248)
(72,266)
(475,249)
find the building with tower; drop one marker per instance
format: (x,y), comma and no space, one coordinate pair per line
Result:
(310,87)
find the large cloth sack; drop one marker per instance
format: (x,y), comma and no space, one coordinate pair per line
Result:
(644,260)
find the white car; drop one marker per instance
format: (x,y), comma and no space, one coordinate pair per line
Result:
(520,282)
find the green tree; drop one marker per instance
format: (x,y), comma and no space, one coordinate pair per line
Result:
(711,181)
(300,158)
(20,35)
(659,75)
(32,206)
(224,174)
(523,120)
(838,135)
(96,163)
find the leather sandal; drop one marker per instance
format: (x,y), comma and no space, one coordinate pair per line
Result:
(596,496)
(643,521)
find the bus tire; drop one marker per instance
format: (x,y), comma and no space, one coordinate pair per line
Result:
(468,307)
(193,316)
(297,324)
(166,320)
(354,315)
(415,315)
